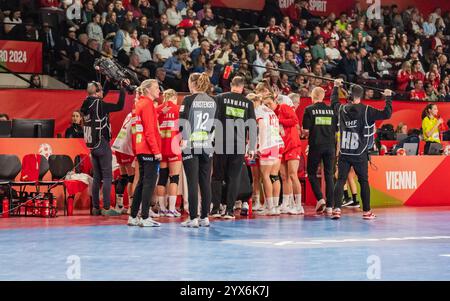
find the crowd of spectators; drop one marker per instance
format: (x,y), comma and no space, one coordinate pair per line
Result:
(406,51)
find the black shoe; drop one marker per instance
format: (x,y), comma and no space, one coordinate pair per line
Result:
(346,202)
(229,215)
(353,205)
(215,213)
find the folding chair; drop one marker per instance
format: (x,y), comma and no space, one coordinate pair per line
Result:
(59,165)
(10,168)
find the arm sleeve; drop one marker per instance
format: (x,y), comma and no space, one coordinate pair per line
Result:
(253,134)
(115,107)
(150,129)
(306,124)
(374,114)
(184,126)
(335,100)
(288,117)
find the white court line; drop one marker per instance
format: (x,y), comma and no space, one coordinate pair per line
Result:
(445,255)
(322,242)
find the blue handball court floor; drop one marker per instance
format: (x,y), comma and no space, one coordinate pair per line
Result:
(401,244)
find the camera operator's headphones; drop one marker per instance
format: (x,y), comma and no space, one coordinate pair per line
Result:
(96,85)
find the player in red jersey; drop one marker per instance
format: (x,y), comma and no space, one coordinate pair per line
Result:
(170,167)
(292,201)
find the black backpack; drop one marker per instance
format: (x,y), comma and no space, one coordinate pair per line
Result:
(386,132)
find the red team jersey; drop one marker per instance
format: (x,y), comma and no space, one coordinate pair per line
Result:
(288,130)
(168,128)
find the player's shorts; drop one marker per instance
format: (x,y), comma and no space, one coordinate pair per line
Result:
(269,155)
(171,158)
(123,159)
(292,154)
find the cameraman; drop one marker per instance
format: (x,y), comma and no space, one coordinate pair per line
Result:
(97,134)
(356,123)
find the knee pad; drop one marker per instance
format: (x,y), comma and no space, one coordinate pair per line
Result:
(121,184)
(131,179)
(174,179)
(163,176)
(274,179)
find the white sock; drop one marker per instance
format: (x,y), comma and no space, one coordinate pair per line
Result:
(172,202)
(119,200)
(298,200)
(291,201)
(255,199)
(269,203)
(276,201)
(162,203)
(286,201)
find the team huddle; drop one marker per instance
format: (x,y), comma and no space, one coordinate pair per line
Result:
(233,147)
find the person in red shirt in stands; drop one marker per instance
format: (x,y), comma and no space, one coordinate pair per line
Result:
(292,200)
(170,168)
(417,73)
(433,76)
(418,93)
(148,152)
(404,77)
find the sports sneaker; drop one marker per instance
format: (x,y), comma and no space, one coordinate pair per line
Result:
(120,209)
(238,205)
(346,202)
(153,214)
(204,222)
(369,215)
(163,213)
(320,207)
(223,209)
(216,214)
(96,212)
(228,215)
(353,205)
(300,210)
(258,206)
(172,213)
(110,212)
(190,223)
(328,211)
(149,222)
(244,209)
(272,211)
(263,212)
(336,214)
(134,221)
(293,211)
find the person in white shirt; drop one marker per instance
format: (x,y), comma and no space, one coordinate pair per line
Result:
(270,145)
(13,19)
(142,50)
(191,42)
(94,30)
(332,52)
(215,34)
(173,15)
(262,60)
(162,51)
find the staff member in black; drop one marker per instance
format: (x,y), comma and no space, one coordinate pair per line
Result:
(356,123)
(196,124)
(97,134)
(319,123)
(236,115)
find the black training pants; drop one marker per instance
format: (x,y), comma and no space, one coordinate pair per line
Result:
(102,167)
(226,168)
(325,154)
(198,173)
(361,170)
(148,174)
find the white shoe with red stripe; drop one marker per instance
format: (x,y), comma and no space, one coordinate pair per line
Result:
(369,215)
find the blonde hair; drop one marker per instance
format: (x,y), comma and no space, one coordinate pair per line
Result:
(253,97)
(318,93)
(261,87)
(146,84)
(200,81)
(169,94)
(295,97)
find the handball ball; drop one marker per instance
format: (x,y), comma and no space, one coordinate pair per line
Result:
(447,150)
(45,150)
(401,152)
